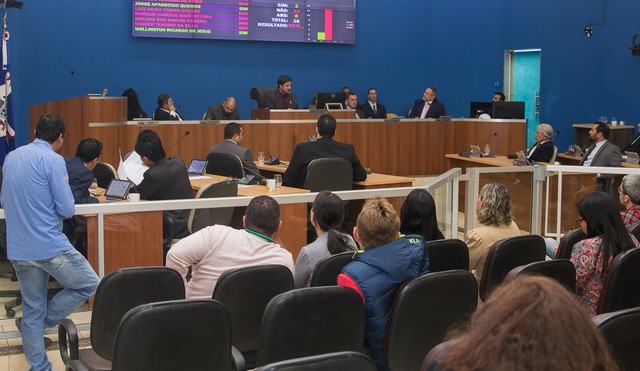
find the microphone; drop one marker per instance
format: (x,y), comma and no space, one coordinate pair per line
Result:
(271,160)
(292,99)
(181,107)
(179,139)
(495,134)
(259,177)
(557,132)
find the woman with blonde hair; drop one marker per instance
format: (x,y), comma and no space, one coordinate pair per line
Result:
(494,213)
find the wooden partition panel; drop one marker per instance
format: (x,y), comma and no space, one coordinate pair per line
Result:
(407,147)
(77,114)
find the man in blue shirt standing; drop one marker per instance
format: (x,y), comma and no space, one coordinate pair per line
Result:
(36,197)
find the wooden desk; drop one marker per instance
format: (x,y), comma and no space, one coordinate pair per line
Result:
(405,147)
(293,232)
(574,187)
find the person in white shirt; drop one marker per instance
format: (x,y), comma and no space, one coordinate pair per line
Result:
(217,249)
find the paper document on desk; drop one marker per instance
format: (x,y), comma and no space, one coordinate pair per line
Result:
(132,168)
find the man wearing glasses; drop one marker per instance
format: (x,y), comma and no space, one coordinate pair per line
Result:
(225,111)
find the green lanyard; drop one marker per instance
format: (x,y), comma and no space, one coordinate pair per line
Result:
(259,235)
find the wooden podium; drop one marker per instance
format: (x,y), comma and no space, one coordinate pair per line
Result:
(77,114)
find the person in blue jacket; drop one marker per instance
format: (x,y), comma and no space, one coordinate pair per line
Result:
(386,261)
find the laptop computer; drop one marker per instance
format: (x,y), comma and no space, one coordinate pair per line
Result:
(632,157)
(197,167)
(117,190)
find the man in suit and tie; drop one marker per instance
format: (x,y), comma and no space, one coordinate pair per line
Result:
(166,111)
(225,111)
(372,109)
(323,147)
(232,144)
(634,146)
(602,153)
(351,102)
(282,98)
(428,107)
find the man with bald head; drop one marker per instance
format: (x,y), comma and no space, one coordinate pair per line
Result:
(225,111)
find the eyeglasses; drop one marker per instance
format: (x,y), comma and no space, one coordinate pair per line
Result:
(579,221)
(620,189)
(227,109)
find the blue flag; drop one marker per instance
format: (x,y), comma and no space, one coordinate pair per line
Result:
(7,143)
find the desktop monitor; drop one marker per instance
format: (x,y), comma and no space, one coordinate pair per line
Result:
(478,108)
(324,98)
(508,110)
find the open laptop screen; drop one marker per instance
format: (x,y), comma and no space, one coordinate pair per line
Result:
(118,189)
(197,167)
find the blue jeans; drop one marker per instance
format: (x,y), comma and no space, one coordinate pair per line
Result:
(79,282)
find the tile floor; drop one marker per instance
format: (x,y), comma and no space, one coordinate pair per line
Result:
(11,356)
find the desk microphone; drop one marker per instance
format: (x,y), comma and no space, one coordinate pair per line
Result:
(179,139)
(271,160)
(485,140)
(259,177)
(187,111)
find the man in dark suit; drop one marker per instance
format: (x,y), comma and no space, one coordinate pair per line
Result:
(232,144)
(166,179)
(351,102)
(225,111)
(428,107)
(634,145)
(166,111)
(323,147)
(602,153)
(79,168)
(80,172)
(372,109)
(282,98)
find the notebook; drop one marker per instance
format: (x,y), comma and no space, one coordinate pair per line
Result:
(117,190)
(197,167)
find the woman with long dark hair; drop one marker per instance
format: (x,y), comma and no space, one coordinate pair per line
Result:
(418,215)
(606,238)
(327,214)
(134,110)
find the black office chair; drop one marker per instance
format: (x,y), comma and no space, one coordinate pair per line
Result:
(118,292)
(565,247)
(343,361)
(311,321)
(424,310)
(173,335)
(317,175)
(245,292)
(201,218)
(327,270)
(635,231)
(507,254)
(621,289)
(225,164)
(620,330)
(447,254)
(260,95)
(104,172)
(561,270)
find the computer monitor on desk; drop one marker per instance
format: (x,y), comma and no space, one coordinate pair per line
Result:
(507,110)
(478,108)
(330,100)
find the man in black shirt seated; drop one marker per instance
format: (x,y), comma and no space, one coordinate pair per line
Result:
(225,111)
(166,111)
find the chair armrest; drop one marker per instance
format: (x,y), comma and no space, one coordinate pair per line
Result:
(68,340)
(76,365)
(238,359)
(171,221)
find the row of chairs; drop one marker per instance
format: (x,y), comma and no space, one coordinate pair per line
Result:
(290,324)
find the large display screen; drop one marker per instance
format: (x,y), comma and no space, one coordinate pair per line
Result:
(314,21)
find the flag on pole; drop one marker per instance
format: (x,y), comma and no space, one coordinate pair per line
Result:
(7,143)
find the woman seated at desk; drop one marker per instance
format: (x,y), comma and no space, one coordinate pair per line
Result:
(543,150)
